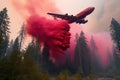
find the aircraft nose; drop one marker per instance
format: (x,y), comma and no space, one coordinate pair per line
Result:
(92,8)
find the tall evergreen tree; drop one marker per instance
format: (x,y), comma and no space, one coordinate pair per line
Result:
(68,62)
(110,68)
(77,54)
(95,59)
(21,35)
(34,51)
(84,54)
(109,58)
(116,61)
(46,62)
(10,49)
(4,32)
(16,45)
(4,23)
(16,69)
(4,47)
(93,44)
(115,33)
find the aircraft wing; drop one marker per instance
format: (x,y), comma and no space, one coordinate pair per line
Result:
(69,18)
(65,17)
(79,18)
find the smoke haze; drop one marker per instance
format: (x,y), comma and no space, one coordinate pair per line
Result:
(33,11)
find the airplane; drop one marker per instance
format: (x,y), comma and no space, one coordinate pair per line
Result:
(79,18)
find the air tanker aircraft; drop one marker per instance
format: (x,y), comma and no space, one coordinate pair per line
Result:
(79,18)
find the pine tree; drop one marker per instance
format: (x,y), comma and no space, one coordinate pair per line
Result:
(68,62)
(116,61)
(70,65)
(21,35)
(115,33)
(16,45)
(4,47)
(109,59)
(4,32)
(95,59)
(45,59)
(110,68)
(33,50)
(84,54)
(10,49)
(28,70)
(8,68)
(77,54)
(16,69)
(4,23)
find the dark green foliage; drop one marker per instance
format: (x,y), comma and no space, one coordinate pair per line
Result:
(70,65)
(116,61)
(46,53)
(16,44)
(4,23)
(8,69)
(63,75)
(21,35)
(110,70)
(4,47)
(85,55)
(17,68)
(4,69)
(1,39)
(115,32)
(77,54)
(10,49)
(31,64)
(95,58)
(47,64)
(42,59)
(34,51)
(28,69)
(4,32)
(77,77)
(45,76)
(82,55)
(45,59)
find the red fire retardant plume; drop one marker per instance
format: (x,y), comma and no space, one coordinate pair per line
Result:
(53,33)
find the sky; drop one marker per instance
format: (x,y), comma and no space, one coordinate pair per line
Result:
(99,20)
(97,25)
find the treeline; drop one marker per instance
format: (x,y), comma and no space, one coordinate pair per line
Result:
(25,64)
(32,64)
(15,63)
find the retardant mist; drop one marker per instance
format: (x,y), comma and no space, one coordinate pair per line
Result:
(104,45)
(52,33)
(103,50)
